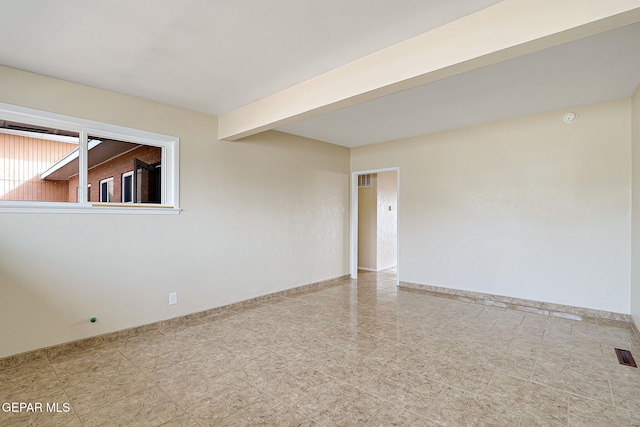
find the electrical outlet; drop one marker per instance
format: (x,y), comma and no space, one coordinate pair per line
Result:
(173,298)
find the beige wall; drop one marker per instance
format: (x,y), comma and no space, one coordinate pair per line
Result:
(367,225)
(635,235)
(531,208)
(259,216)
(387,220)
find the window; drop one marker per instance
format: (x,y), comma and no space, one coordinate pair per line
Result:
(127,187)
(48,163)
(109,157)
(106,190)
(146,182)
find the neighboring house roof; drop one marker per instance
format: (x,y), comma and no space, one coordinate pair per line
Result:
(100,151)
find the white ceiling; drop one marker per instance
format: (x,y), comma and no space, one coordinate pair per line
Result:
(211,56)
(600,68)
(214,56)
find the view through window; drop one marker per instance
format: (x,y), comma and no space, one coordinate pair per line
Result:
(42,164)
(29,155)
(125,172)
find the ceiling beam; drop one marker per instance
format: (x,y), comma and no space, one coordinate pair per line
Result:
(504,31)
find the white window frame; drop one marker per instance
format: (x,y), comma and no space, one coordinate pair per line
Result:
(105,181)
(124,175)
(169,171)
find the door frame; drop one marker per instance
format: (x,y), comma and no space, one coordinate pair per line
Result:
(353,257)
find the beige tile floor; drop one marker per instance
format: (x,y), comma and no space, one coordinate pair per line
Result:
(358,353)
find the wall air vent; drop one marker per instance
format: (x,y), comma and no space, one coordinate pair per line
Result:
(364,180)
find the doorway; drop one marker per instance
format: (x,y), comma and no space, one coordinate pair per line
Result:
(374,220)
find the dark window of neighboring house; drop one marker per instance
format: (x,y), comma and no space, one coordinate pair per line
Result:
(127,187)
(147,182)
(106,190)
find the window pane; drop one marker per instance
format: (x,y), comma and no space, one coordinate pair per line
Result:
(113,158)
(37,163)
(148,187)
(127,187)
(104,191)
(110,191)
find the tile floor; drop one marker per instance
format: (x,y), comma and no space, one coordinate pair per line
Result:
(357,353)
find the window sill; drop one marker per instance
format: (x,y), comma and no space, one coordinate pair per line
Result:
(87,208)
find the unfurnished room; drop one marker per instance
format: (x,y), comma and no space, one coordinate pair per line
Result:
(319,213)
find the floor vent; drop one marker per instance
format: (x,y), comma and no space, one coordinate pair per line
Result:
(625,358)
